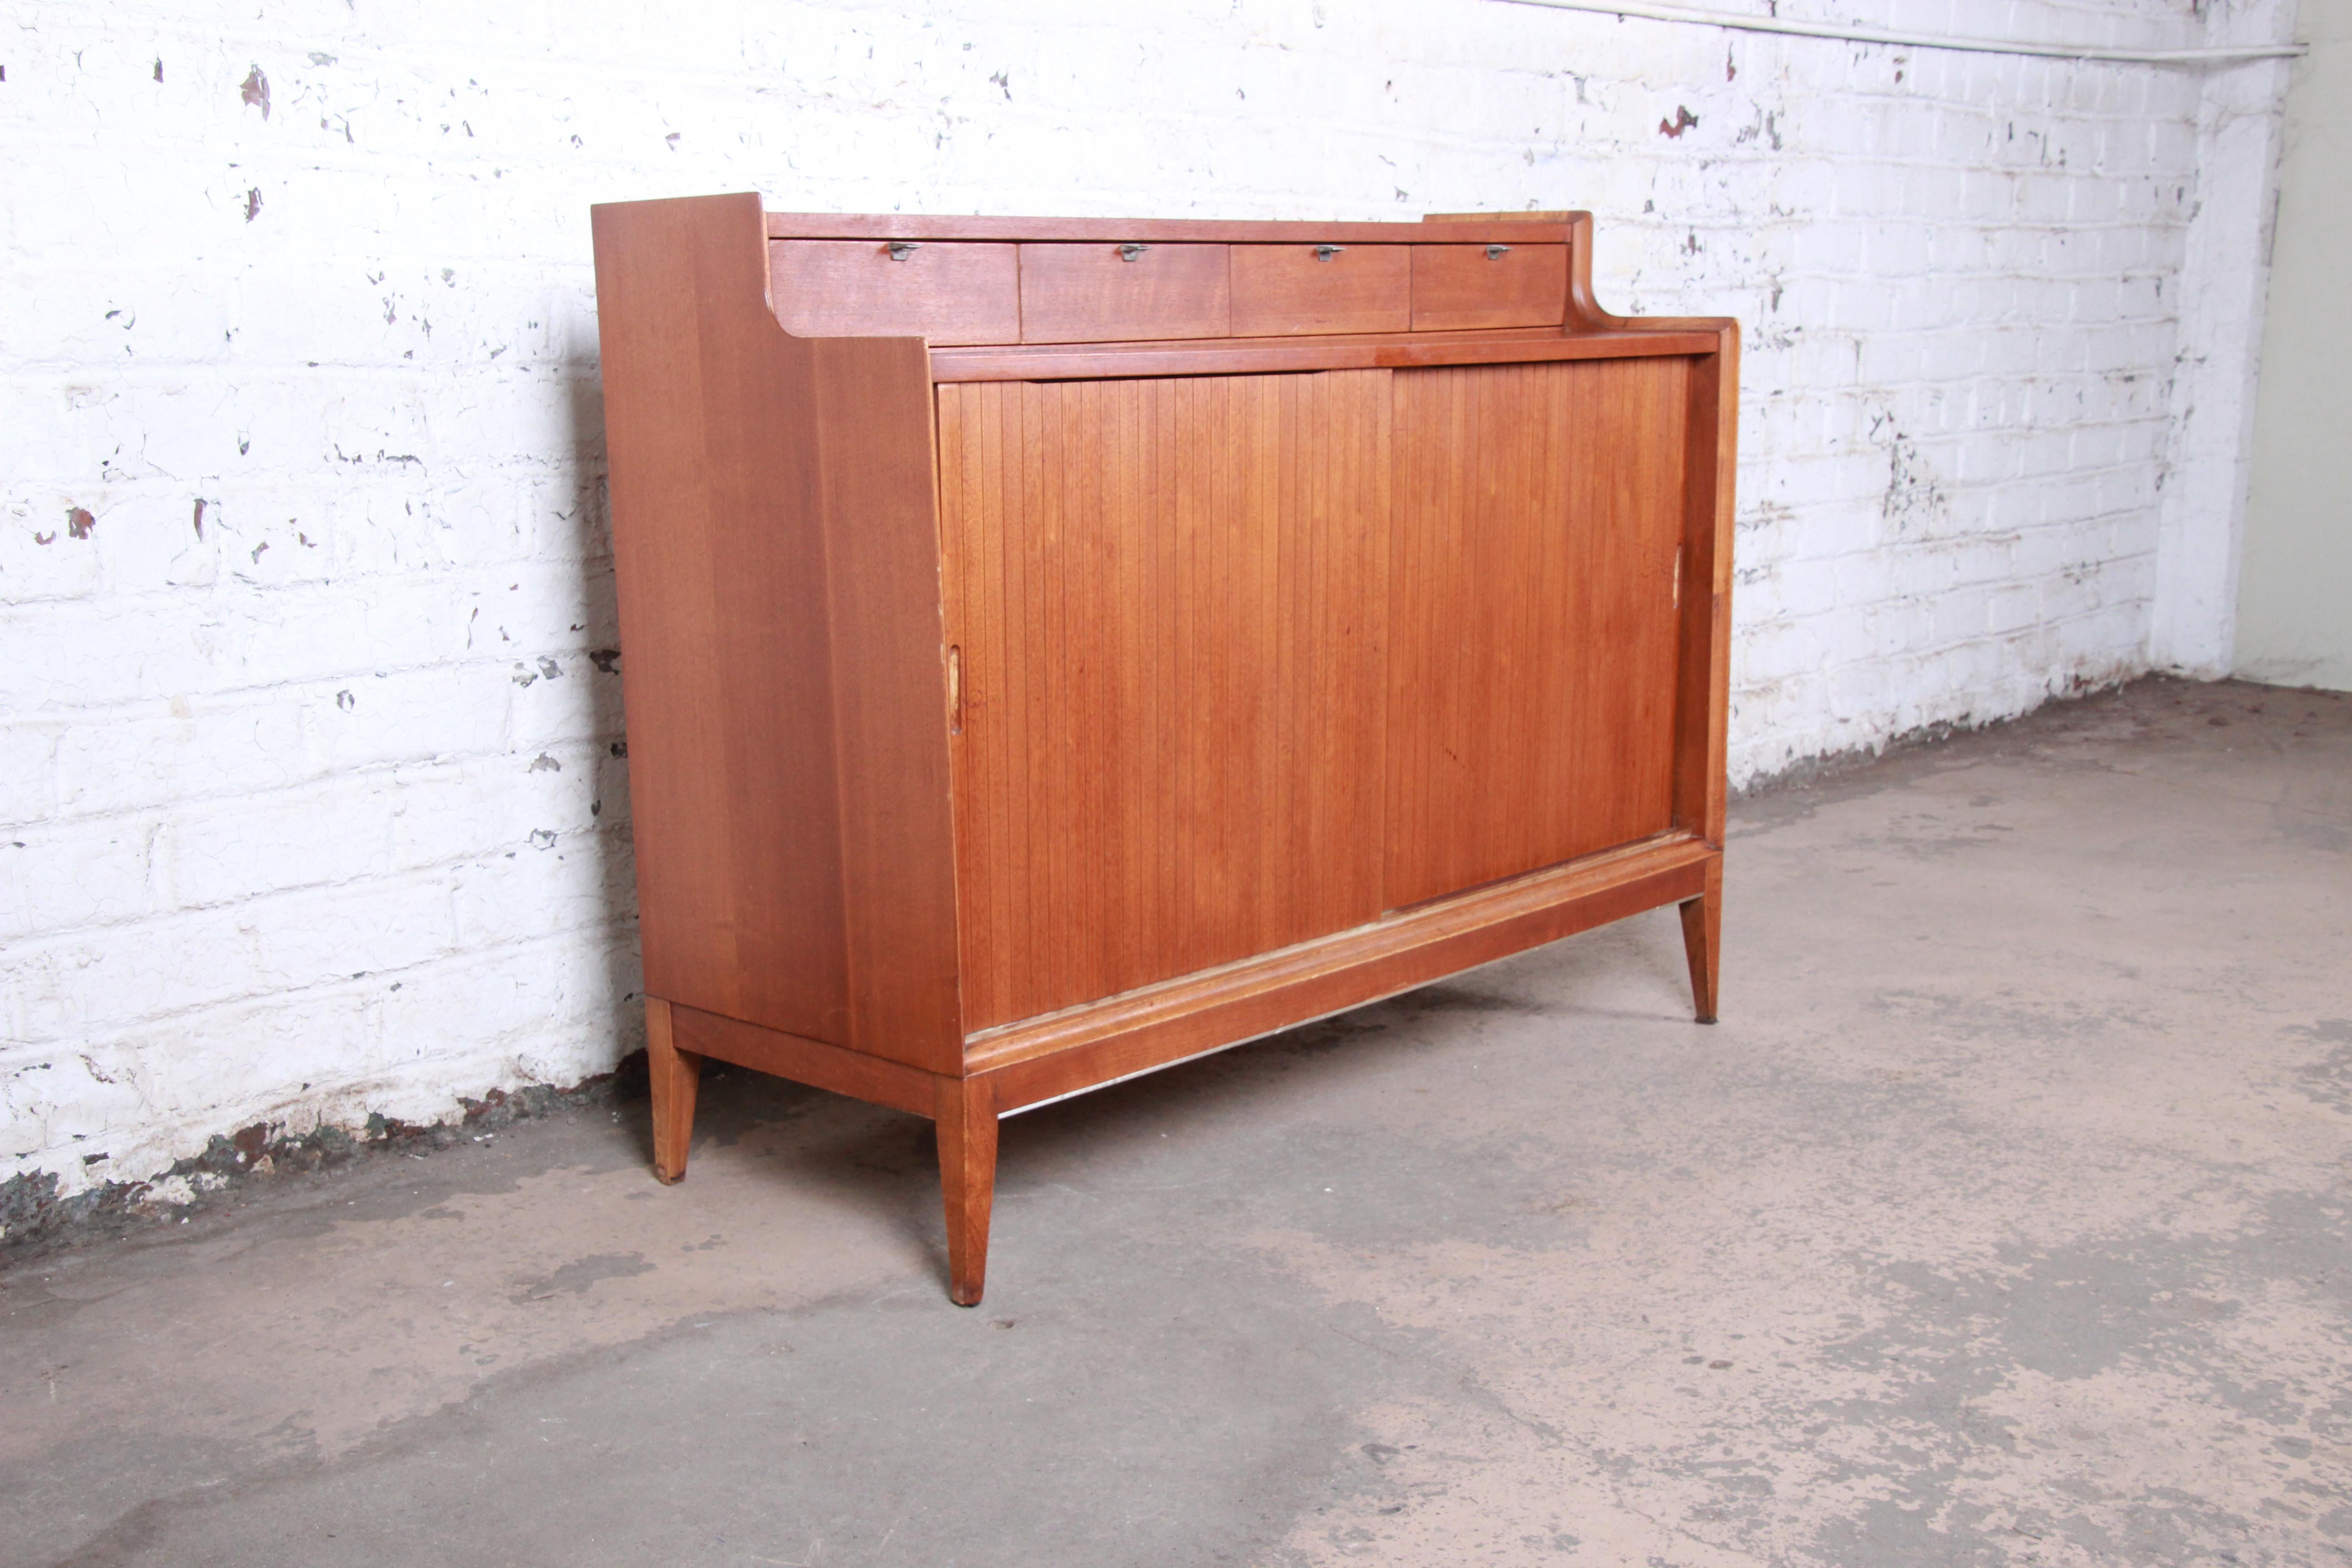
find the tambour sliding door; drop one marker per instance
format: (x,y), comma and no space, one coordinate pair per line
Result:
(1245,661)
(1167,599)
(1533,617)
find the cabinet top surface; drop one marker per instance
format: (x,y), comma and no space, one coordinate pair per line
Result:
(1533,228)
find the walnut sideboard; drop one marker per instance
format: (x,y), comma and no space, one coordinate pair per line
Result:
(1057,648)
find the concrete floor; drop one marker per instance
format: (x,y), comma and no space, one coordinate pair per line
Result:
(2002,1220)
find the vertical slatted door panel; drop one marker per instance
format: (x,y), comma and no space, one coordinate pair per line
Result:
(1539,513)
(1169,600)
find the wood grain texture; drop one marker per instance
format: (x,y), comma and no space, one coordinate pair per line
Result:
(777,567)
(1562,217)
(1087,293)
(719,572)
(1532,628)
(965,1114)
(1261,356)
(1464,285)
(878,498)
(673,1075)
(813,1062)
(1290,290)
(947,293)
(1169,598)
(1507,228)
(1703,941)
(1135,690)
(1703,697)
(1045,1059)
(1703,692)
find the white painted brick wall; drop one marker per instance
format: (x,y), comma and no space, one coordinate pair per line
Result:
(311,800)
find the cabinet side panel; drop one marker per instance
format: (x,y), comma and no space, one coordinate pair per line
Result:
(1705,705)
(873,417)
(720,563)
(1168,595)
(1532,691)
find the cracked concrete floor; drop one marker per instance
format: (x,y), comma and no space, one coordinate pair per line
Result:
(2002,1220)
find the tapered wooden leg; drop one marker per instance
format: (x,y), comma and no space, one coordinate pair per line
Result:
(1703,941)
(676,1076)
(967,1127)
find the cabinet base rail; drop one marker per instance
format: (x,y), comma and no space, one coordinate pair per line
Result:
(1020,1065)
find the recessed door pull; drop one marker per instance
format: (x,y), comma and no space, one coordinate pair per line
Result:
(1130,252)
(1326,252)
(902,248)
(1496,252)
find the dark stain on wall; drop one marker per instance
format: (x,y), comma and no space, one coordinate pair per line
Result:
(34,1218)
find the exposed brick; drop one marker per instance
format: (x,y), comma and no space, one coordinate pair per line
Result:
(274,777)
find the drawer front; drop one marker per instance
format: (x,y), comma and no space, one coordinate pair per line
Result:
(1456,287)
(1108,293)
(1281,290)
(949,293)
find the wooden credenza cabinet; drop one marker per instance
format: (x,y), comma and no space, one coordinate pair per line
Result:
(1055,649)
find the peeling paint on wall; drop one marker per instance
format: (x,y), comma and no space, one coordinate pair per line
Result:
(36,1210)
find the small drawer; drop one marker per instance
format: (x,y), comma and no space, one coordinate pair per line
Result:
(1109,293)
(1462,286)
(949,293)
(1282,290)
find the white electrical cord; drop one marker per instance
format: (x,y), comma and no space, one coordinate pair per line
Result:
(2226,54)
